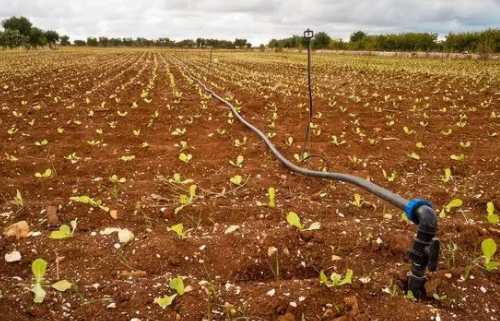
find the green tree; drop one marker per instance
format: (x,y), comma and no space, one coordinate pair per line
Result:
(357,36)
(321,40)
(21,24)
(12,39)
(52,37)
(37,37)
(240,43)
(79,43)
(65,40)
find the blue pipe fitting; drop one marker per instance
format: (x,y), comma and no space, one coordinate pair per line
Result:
(412,206)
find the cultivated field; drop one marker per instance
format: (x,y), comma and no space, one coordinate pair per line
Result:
(124,142)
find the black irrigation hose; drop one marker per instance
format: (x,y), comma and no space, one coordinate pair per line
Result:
(424,252)
(384,194)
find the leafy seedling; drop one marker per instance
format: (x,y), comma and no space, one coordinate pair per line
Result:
(177,179)
(414,156)
(64,231)
(239,143)
(336,279)
(447,175)
(127,158)
(358,202)
(490,208)
(238,163)
(293,219)
(390,178)
(185,199)
(39,268)
(272,194)
(178,285)
(84,199)
(336,142)
(18,201)
(455,203)
(489,248)
(48,173)
(236,180)
(289,141)
(179,230)
(458,158)
(186,158)
(165,301)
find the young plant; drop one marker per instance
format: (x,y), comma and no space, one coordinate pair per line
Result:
(127,158)
(237,180)
(18,201)
(64,231)
(239,143)
(489,248)
(179,230)
(336,142)
(272,194)
(447,175)
(336,279)
(186,158)
(358,202)
(293,219)
(87,200)
(490,208)
(414,156)
(186,200)
(448,207)
(39,268)
(289,141)
(238,163)
(387,177)
(178,285)
(177,179)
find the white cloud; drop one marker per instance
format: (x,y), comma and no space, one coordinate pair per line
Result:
(256,20)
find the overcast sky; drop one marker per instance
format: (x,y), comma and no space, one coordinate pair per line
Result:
(255,20)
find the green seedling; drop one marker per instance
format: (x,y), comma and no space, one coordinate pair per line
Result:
(358,202)
(18,201)
(41,143)
(450,257)
(289,141)
(84,199)
(300,159)
(458,158)
(413,155)
(136,132)
(179,230)
(336,279)
(238,163)
(446,132)
(239,143)
(272,194)
(116,180)
(184,145)
(64,231)
(127,158)
(178,285)
(293,219)
(39,268)
(455,203)
(410,297)
(93,142)
(165,301)
(465,145)
(99,131)
(387,177)
(440,298)
(177,179)
(122,113)
(179,132)
(489,248)
(185,199)
(419,145)
(447,175)
(45,175)
(490,208)
(236,180)
(11,158)
(221,131)
(186,158)
(336,142)
(72,158)
(408,131)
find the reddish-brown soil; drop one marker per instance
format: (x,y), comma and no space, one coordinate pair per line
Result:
(231,275)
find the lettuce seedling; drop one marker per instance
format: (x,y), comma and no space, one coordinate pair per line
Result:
(459,157)
(336,279)
(289,141)
(448,207)
(238,163)
(39,268)
(236,180)
(179,132)
(177,179)
(42,143)
(165,301)
(293,219)
(490,208)
(64,231)
(336,142)
(186,158)
(358,202)
(42,176)
(178,285)
(186,200)
(179,230)
(272,193)
(387,177)
(413,155)
(447,175)
(489,248)
(127,158)
(239,143)
(18,201)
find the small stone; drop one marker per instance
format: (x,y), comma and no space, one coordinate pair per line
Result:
(293,304)
(272,250)
(19,229)
(271,292)
(483,289)
(111,306)
(113,214)
(448,275)
(13,256)
(388,216)
(117,246)
(125,236)
(336,258)
(52,217)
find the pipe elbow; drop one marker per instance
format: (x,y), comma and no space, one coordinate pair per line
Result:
(427,219)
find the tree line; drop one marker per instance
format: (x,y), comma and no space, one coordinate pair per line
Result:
(19,31)
(481,42)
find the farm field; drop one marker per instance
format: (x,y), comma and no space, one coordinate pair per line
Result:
(124,141)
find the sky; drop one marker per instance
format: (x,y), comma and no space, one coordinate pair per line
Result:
(258,21)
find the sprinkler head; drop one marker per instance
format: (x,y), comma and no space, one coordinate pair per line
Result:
(308,34)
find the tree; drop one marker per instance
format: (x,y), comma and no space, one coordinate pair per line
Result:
(357,36)
(249,45)
(79,43)
(12,38)
(240,43)
(65,41)
(92,42)
(37,38)
(321,40)
(52,37)
(21,24)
